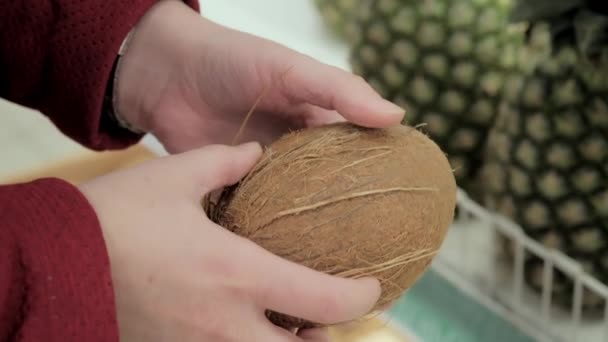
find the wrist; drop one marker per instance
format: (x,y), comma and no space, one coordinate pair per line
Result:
(145,65)
(111,96)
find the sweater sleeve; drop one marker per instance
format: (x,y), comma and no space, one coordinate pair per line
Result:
(57,56)
(55,279)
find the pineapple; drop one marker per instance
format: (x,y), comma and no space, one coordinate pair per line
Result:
(338,15)
(446,62)
(547,154)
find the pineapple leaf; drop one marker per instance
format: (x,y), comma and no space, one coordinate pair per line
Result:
(598,6)
(591,32)
(581,24)
(539,10)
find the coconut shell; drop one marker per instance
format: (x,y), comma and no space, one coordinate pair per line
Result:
(349,201)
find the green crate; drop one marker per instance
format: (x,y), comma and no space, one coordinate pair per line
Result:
(436,311)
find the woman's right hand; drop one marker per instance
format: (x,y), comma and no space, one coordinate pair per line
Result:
(177,276)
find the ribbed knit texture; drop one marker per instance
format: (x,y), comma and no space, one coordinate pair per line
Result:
(55,275)
(56,56)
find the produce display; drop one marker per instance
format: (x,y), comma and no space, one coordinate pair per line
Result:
(446,62)
(547,155)
(516,93)
(347,201)
(338,15)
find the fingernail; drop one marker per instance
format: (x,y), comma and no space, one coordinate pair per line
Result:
(373,283)
(250,144)
(387,107)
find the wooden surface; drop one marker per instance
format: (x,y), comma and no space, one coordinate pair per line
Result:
(374,330)
(83,166)
(86,165)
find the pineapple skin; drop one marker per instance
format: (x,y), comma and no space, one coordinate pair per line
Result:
(547,168)
(446,62)
(338,15)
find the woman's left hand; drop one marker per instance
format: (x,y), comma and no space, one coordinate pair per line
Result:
(190,82)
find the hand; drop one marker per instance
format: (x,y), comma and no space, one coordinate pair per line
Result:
(190,82)
(178,276)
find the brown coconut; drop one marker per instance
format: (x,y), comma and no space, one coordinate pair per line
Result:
(348,201)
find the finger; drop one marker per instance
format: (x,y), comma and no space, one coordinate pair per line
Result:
(215,166)
(316,335)
(316,116)
(332,88)
(289,288)
(227,165)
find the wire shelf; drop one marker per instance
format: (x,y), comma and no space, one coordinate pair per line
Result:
(468,260)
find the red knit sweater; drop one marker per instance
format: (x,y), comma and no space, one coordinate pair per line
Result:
(56,56)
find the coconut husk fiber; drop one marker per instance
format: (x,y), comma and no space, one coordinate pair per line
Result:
(346,200)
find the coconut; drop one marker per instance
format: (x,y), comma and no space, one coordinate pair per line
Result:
(349,201)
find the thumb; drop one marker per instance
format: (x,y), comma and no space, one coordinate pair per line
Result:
(215,166)
(229,164)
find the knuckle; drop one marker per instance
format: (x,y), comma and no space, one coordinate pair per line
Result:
(214,151)
(213,326)
(222,268)
(330,308)
(262,293)
(358,78)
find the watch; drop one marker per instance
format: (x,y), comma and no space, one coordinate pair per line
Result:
(109,101)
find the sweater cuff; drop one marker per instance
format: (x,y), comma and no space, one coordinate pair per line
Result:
(82,65)
(59,255)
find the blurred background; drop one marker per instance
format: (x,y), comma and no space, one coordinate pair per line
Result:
(516,93)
